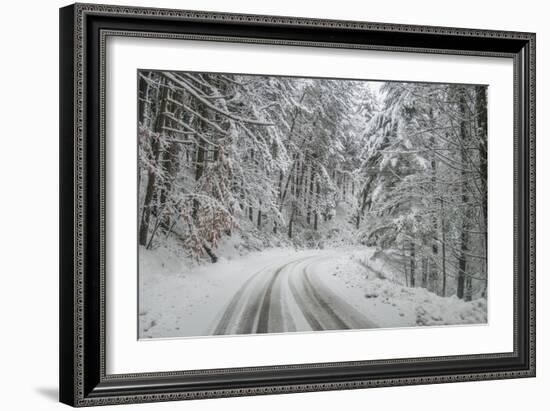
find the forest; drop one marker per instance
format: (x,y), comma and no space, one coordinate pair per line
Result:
(259,162)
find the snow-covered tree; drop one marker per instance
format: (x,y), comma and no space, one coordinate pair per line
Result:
(301,161)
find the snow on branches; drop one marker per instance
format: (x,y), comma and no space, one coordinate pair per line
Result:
(306,161)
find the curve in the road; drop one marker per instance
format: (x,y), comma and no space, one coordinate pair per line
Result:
(266,311)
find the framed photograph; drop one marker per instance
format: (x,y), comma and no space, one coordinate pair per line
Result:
(260,204)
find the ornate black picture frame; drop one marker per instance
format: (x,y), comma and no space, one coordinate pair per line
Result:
(83,32)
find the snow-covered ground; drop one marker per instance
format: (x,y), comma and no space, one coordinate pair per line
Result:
(176,300)
(283,290)
(387,301)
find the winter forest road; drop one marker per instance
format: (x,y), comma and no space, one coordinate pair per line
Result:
(288,296)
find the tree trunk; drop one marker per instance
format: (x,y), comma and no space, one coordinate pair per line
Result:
(301,190)
(147,204)
(199,170)
(291,221)
(413,264)
(468,288)
(461,273)
(443,271)
(310,195)
(344,182)
(170,165)
(212,256)
(316,215)
(405,264)
(150,190)
(361,208)
(462,264)
(279,200)
(144,105)
(443,253)
(433,258)
(481,120)
(424,262)
(364,201)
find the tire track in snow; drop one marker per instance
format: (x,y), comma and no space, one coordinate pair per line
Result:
(264,310)
(338,322)
(231,308)
(267,303)
(353,318)
(315,309)
(310,317)
(282,302)
(260,307)
(271,316)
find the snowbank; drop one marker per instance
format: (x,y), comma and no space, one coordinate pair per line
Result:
(389,303)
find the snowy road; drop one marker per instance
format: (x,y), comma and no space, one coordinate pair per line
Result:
(285,290)
(288,296)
